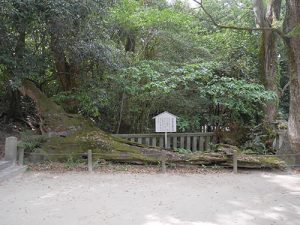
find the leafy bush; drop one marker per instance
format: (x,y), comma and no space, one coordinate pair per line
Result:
(73,162)
(260,140)
(30,141)
(89,100)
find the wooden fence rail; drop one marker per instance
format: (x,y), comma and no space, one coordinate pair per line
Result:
(189,141)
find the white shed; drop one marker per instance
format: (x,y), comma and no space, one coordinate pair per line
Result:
(165,122)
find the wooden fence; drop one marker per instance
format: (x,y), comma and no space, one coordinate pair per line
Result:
(189,141)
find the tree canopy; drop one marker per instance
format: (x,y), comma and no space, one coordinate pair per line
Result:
(122,62)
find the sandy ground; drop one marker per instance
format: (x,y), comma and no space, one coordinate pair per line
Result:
(39,198)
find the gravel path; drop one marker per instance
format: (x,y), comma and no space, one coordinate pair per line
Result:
(150,199)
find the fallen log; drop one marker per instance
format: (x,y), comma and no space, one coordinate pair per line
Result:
(72,135)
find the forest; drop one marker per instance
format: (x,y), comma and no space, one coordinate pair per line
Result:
(71,72)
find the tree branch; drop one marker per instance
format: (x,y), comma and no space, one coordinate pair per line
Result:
(199,2)
(284,88)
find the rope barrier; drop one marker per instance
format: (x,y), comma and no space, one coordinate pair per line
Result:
(144,154)
(52,154)
(162,159)
(288,154)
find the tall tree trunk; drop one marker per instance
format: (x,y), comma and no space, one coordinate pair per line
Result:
(292,22)
(121,112)
(269,70)
(265,16)
(130,43)
(14,109)
(66,71)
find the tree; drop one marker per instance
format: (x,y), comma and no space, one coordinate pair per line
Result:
(291,37)
(72,41)
(17,19)
(124,61)
(267,16)
(56,44)
(292,41)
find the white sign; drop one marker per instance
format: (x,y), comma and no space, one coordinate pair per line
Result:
(165,122)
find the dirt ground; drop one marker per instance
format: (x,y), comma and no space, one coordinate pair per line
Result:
(41,198)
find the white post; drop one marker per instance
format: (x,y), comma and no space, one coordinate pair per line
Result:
(235,162)
(11,144)
(90,161)
(166,140)
(163,166)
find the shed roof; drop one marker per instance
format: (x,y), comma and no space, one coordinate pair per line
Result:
(165,113)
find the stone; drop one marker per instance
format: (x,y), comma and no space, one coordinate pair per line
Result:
(11,145)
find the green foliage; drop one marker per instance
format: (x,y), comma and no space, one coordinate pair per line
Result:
(183,151)
(129,60)
(185,123)
(73,162)
(295,32)
(147,79)
(30,141)
(260,140)
(238,96)
(156,31)
(151,85)
(255,146)
(90,100)
(2,81)
(132,15)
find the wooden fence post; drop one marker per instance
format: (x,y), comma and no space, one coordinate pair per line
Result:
(21,156)
(163,166)
(166,140)
(163,163)
(235,165)
(90,161)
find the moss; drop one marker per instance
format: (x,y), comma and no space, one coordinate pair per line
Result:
(261,162)
(207,156)
(227,149)
(272,162)
(110,148)
(103,146)
(44,104)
